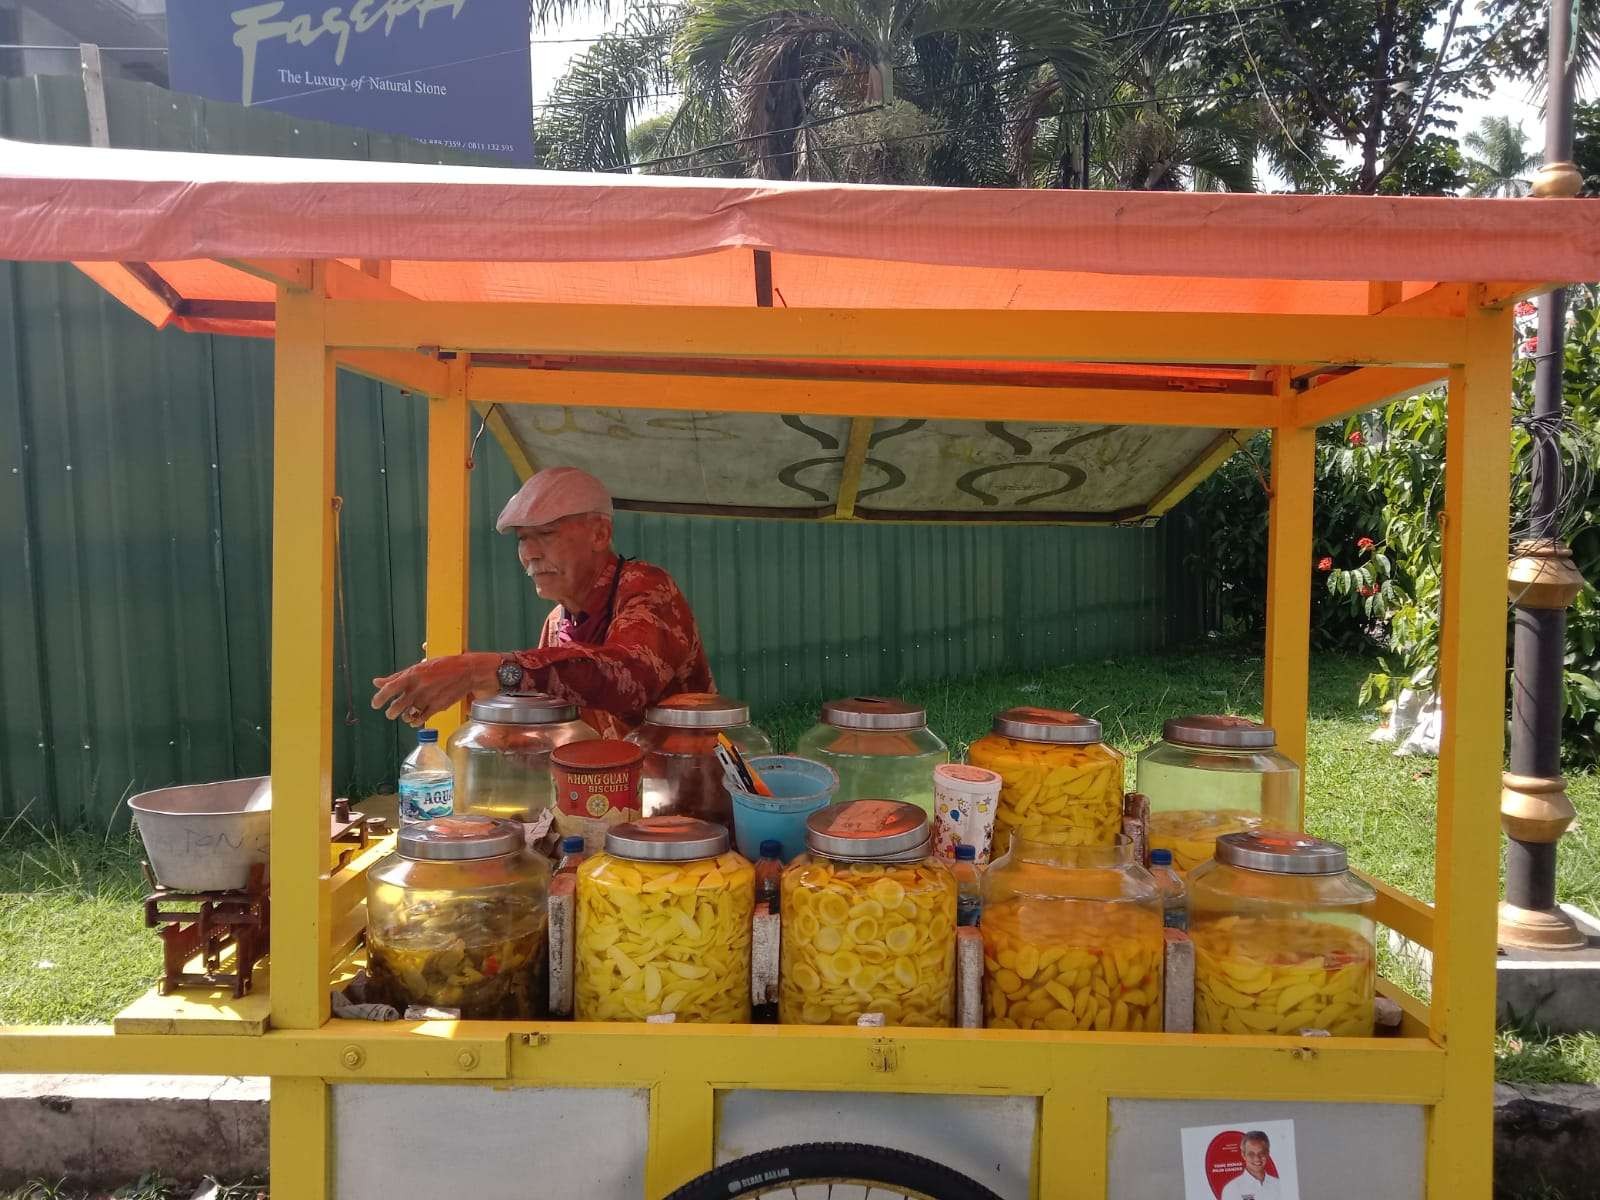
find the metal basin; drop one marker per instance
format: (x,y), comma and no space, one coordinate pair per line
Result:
(205,837)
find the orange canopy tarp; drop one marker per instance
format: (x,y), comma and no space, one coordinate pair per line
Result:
(472,233)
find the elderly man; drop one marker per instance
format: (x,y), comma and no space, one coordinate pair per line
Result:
(620,638)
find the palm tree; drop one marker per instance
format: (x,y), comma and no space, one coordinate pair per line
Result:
(1498,159)
(794,68)
(584,124)
(1150,121)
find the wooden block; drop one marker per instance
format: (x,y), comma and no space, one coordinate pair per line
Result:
(1179,984)
(199,1011)
(563,928)
(969,977)
(1136,824)
(764,942)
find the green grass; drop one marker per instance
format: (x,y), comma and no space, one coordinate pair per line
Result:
(149,1187)
(73,946)
(71,900)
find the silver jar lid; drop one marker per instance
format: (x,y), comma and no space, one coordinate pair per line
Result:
(698,710)
(458,839)
(870,831)
(873,712)
(1219,733)
(1279,853)
(533,709)
(1047,725)
(667,839)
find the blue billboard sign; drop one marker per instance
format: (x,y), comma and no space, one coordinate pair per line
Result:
(452,72)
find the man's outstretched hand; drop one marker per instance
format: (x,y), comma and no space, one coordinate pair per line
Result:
(416,693)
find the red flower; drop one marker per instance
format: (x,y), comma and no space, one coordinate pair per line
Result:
(1356,439)
(1531,346)
(1324,563)
(1370,589)
(1525,308)
(1365,544)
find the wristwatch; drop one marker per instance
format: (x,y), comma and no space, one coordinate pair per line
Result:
(510,674)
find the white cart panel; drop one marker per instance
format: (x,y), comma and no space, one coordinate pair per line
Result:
(443,1141)
(988,1138)
(1374,1150)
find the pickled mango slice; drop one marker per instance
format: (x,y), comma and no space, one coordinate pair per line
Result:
(485,957)
(663,937)
(1066,965)
(1060,794)
(860,938)
(1256,975)
(1191,834)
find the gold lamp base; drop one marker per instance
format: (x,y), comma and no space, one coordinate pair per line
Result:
(1539,929)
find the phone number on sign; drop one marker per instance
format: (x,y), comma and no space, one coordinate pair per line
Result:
(457,144)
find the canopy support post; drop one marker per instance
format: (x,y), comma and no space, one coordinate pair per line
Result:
(303,519)
(1286,687)
(302,658)
(449,542)
(1472,688)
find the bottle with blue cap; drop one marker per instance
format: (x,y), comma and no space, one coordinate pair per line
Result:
(1174,895)
(969,894)
(427,782)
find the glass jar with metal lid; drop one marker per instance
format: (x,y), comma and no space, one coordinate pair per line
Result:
(456,918)
(869,920)
(1059,782)
(1283,936)
(1072,939)
(880,747)
(682,776)
(1210,775)
(664,925)
(502,755)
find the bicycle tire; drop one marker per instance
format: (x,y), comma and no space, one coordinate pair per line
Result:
(833,1162)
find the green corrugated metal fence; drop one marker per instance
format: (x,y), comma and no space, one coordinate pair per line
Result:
(135,539)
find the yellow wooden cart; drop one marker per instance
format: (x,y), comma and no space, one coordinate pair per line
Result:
(1132,311)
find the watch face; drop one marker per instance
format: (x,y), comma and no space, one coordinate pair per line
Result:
(510,675)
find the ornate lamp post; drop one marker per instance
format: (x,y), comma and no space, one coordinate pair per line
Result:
(1534,808)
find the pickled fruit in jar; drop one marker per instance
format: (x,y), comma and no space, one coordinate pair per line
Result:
(1060,794)
(867,938)
(1077,965)
(478,956)
(1191,834)
(1256,975)
(664,937)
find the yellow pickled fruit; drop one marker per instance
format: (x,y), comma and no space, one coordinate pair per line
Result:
(656,938)
(1072,965)
(1264,975)
(1066,795)
(860,938)
(1191,834)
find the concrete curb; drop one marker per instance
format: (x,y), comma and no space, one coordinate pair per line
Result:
(105,1130)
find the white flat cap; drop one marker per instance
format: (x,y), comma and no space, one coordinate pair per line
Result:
(551,494)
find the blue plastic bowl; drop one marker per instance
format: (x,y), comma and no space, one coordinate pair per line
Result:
(799,787)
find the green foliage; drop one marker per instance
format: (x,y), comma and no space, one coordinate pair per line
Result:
(1407,469)
(1227,520)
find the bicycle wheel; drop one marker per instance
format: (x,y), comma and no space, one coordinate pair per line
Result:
(832,1171)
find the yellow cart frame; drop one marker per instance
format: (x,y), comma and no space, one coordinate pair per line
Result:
(330,315)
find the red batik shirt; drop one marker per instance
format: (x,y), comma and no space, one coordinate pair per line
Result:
(633,645)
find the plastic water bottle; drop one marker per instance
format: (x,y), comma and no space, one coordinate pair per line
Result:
(572,854)
(769,873)
(969,896)
(427,783)
(1175,913)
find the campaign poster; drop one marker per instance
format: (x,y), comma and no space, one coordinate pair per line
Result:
(455,73)
(1248,1160)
